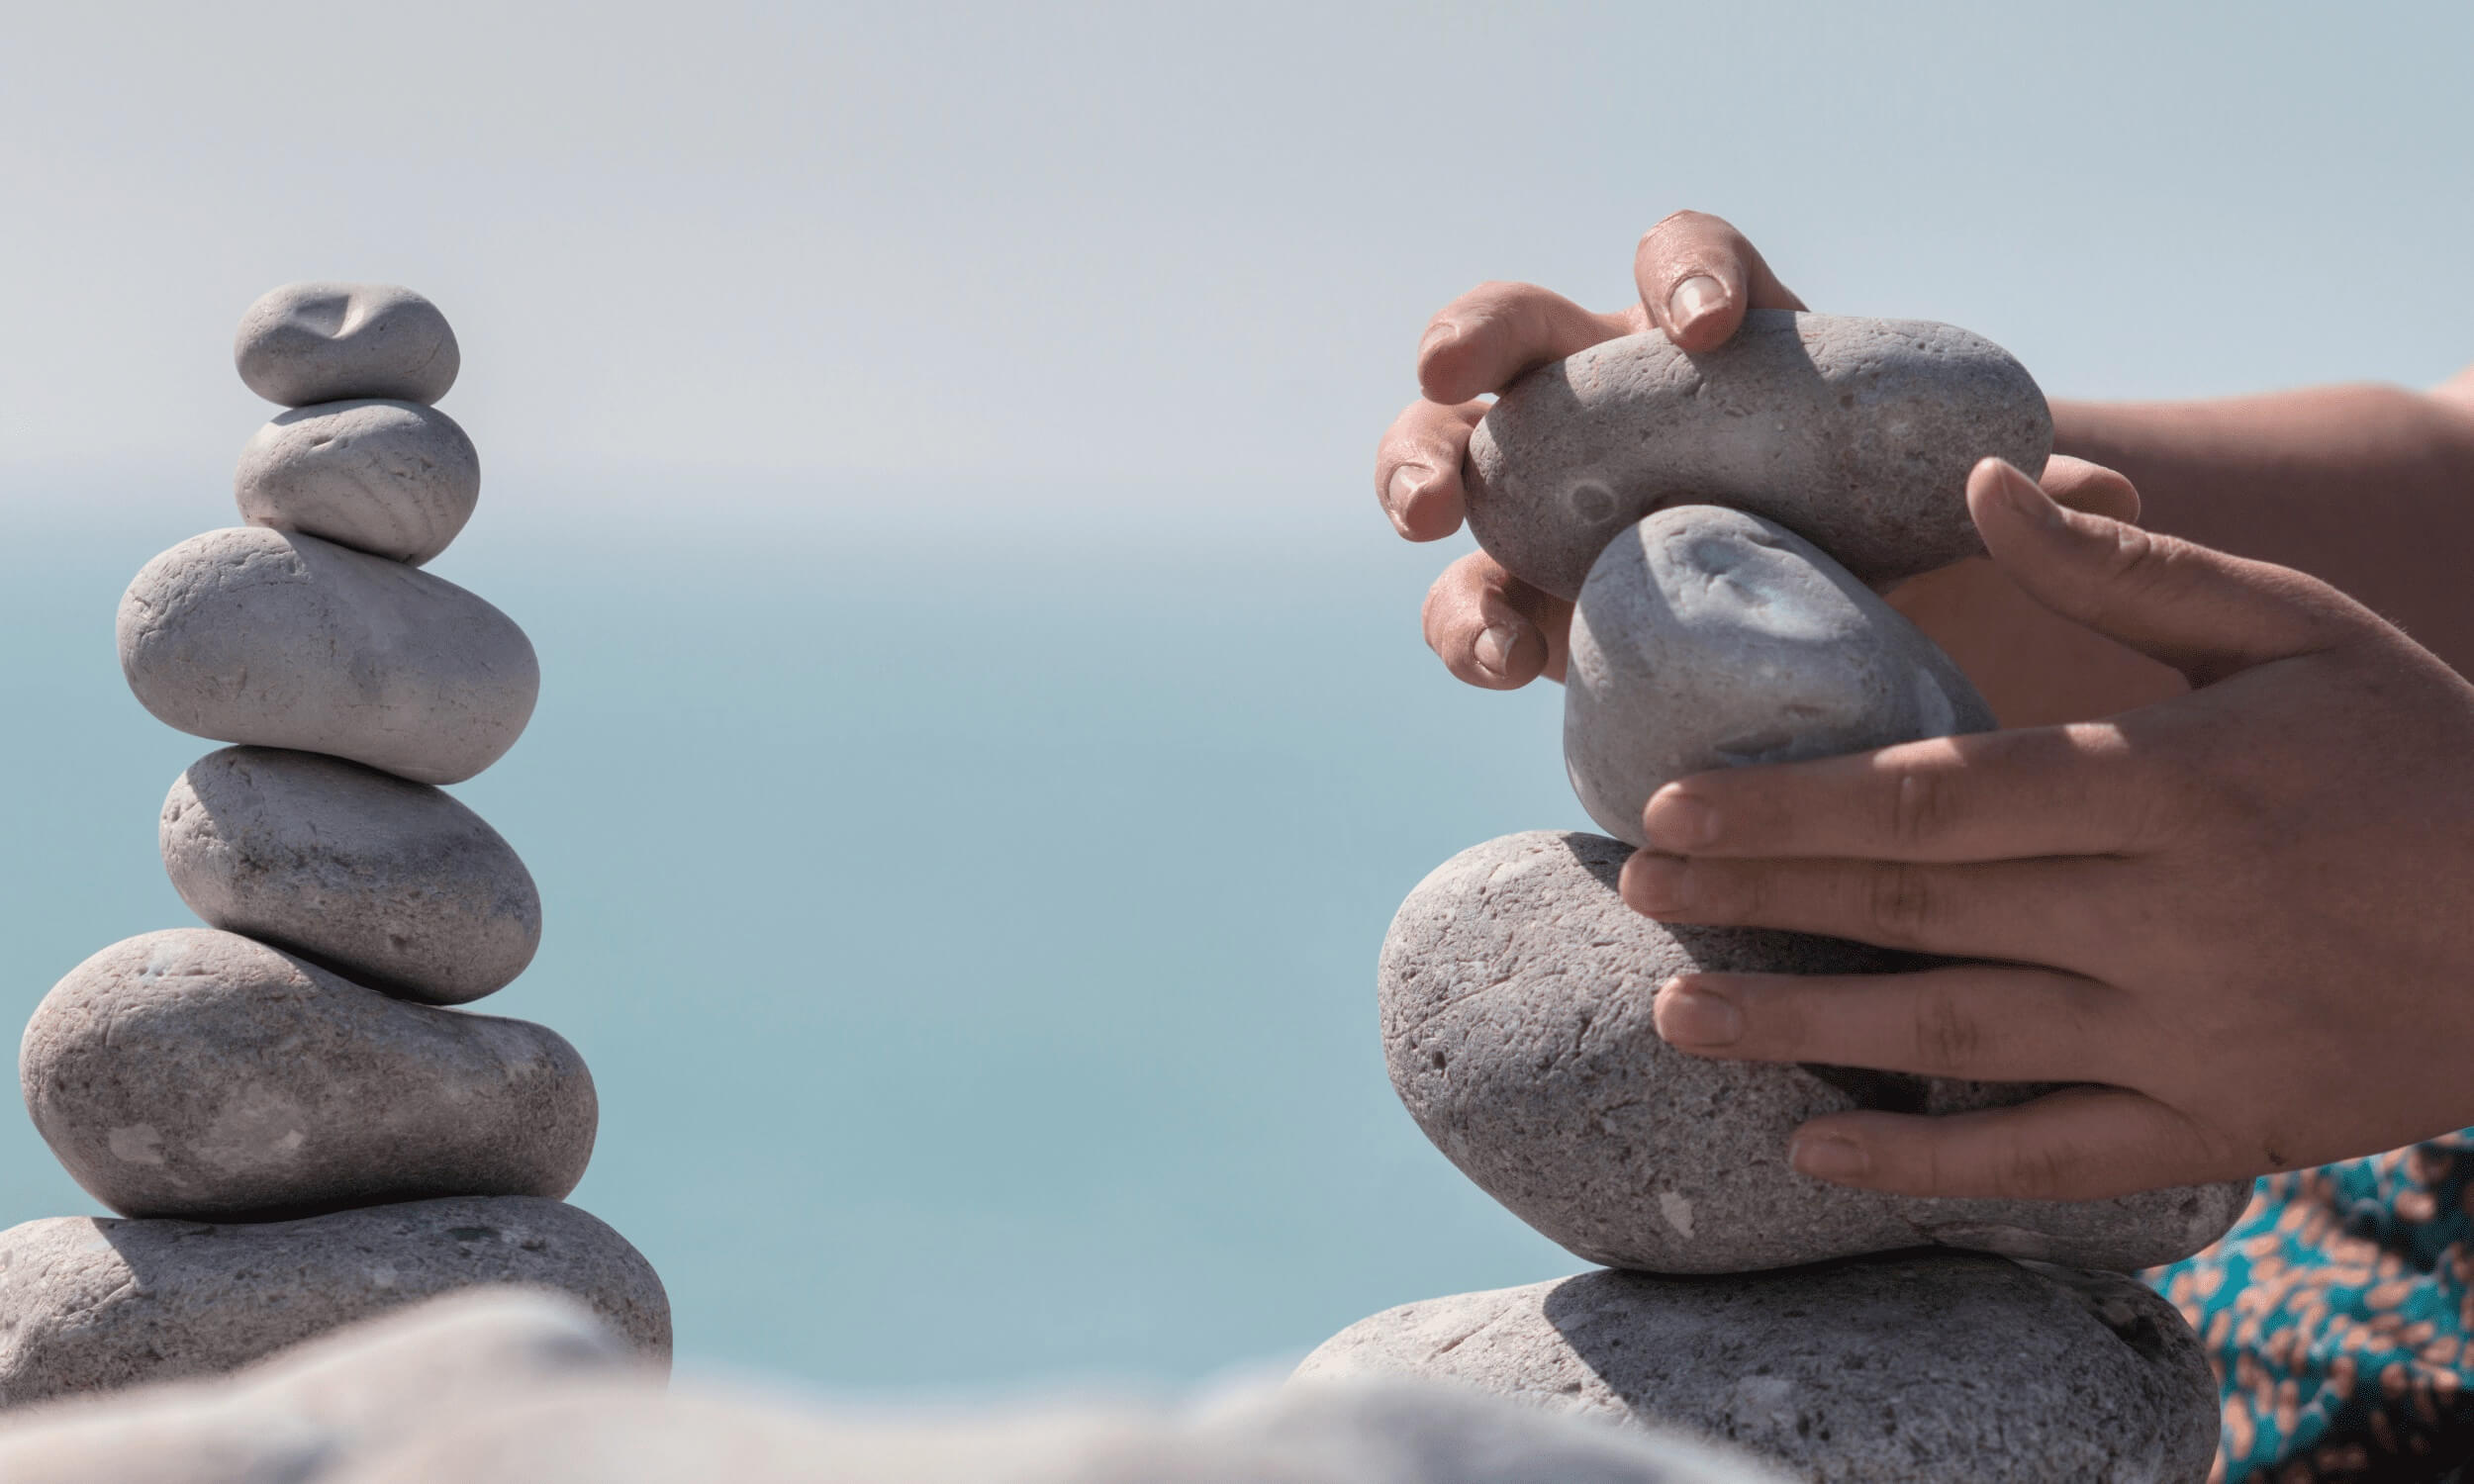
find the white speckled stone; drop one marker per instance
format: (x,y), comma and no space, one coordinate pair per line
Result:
(91,1304)
(360,1390)
(277,639)
(1708,638)
(392,885)
(1913,1368)
(196,1073)
(1516,991)
(1857,434)
(394,479)
(308,342)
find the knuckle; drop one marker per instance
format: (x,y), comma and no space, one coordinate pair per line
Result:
(2026,1170)
(1949,1041)
(1898,904)
(1920,806)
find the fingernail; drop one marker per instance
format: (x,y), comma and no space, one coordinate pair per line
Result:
(1659,884)
(2025,498)
(1406,481)
(1695,296)
(1494,649)
(1438,334)
(1826,1157)
(1678,821)
(1691,1015)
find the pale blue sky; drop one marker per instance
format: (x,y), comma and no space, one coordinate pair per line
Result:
(984,731)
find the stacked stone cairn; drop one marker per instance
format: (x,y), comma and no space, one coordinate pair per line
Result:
(299,1129)
(1723,522)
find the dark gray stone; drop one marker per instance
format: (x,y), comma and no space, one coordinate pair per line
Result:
(196,1073)
(277,639)
(91,1304)
(394,479)
(1516,991)
(1857,434)
(392,885)
(1709,638)
(308,343)
(1911,1368)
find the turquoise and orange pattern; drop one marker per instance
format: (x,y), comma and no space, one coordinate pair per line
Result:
(2339,1314)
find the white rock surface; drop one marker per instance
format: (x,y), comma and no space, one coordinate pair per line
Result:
(277,639)
(394,479)
(320,341)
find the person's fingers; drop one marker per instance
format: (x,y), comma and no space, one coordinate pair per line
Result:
(2092,487)
(1966,911)
(2080,1144)
(1417,468)
(2204,611)
(1697,275)
(2079,789)
(1985,1022)
(1479,342)
(1492,630)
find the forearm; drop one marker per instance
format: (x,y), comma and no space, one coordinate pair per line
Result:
(2369,488)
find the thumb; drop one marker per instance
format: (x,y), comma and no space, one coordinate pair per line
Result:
(2206,612)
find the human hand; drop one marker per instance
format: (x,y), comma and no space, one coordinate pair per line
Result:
(1697,276)
(2241,914)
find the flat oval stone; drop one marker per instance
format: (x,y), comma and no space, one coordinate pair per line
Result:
(363,1389)
(1914,1368)
(195,1074)
(1515,991)
(278,639)
(94,1304)
(1857,434)
(308,342)
(1709,638)
(394,479)
(392,885)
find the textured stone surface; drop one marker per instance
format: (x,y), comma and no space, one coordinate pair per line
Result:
(94,1304)
(1517,990)
(1917,1368)
(1710,639)
(196,1073)
(394,479)
(308,343)
(1857,434)
(392,885)
(295,1417)
(1347,1433)
(284,640)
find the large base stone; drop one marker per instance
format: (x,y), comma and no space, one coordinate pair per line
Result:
(1907,1369)
(90,1304)
(1516,991)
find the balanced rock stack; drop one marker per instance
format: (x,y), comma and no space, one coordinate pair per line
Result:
(301,1130)
(1849,1336)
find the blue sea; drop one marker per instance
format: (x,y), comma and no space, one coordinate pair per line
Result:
(967,900)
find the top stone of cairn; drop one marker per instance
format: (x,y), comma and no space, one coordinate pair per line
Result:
(313,342)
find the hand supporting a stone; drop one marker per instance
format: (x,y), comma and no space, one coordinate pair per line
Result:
(2241,915)
(1697,277)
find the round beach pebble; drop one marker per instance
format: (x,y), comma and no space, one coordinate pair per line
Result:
(1709,638)
(359,1390)
(394,479)
(278,639)
(1911,1368)
(1857,434)
(392,884)
(1516,991)
(92,1304)
(308,342)
(196,1073)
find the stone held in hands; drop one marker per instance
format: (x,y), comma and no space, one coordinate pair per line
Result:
(1856,433)
(196,1073)
(394,479)
(95,1304)
(1710,639)
(392,884)
(278,639)
(1908,1368)
(321,341)
(1516,991)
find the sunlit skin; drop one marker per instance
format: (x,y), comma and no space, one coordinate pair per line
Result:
(2223,860)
